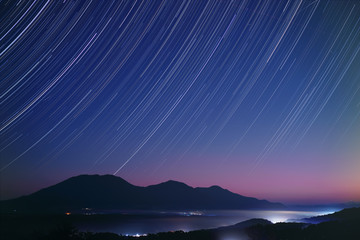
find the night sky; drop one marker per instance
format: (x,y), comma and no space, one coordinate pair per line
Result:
(259,97)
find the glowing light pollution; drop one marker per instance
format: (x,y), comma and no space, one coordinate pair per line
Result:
(259,97)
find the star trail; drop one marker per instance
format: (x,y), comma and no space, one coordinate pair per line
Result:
(259,97)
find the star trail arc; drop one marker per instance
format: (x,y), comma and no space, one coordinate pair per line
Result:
(157,90)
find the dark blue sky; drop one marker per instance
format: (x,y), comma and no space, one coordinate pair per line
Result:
(260,97)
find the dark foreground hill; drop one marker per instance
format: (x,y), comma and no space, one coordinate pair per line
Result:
(344,225)
(343,215)
(109,192)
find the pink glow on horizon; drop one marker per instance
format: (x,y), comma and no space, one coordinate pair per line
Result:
(293,182)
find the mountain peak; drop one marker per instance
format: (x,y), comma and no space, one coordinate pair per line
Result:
(217,187)
(171,184)
(97,177)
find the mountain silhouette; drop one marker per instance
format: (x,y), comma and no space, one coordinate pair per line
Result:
(108,192)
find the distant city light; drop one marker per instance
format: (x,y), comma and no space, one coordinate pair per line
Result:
(136,235)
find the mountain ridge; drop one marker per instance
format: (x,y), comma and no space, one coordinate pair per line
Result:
(112,192)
